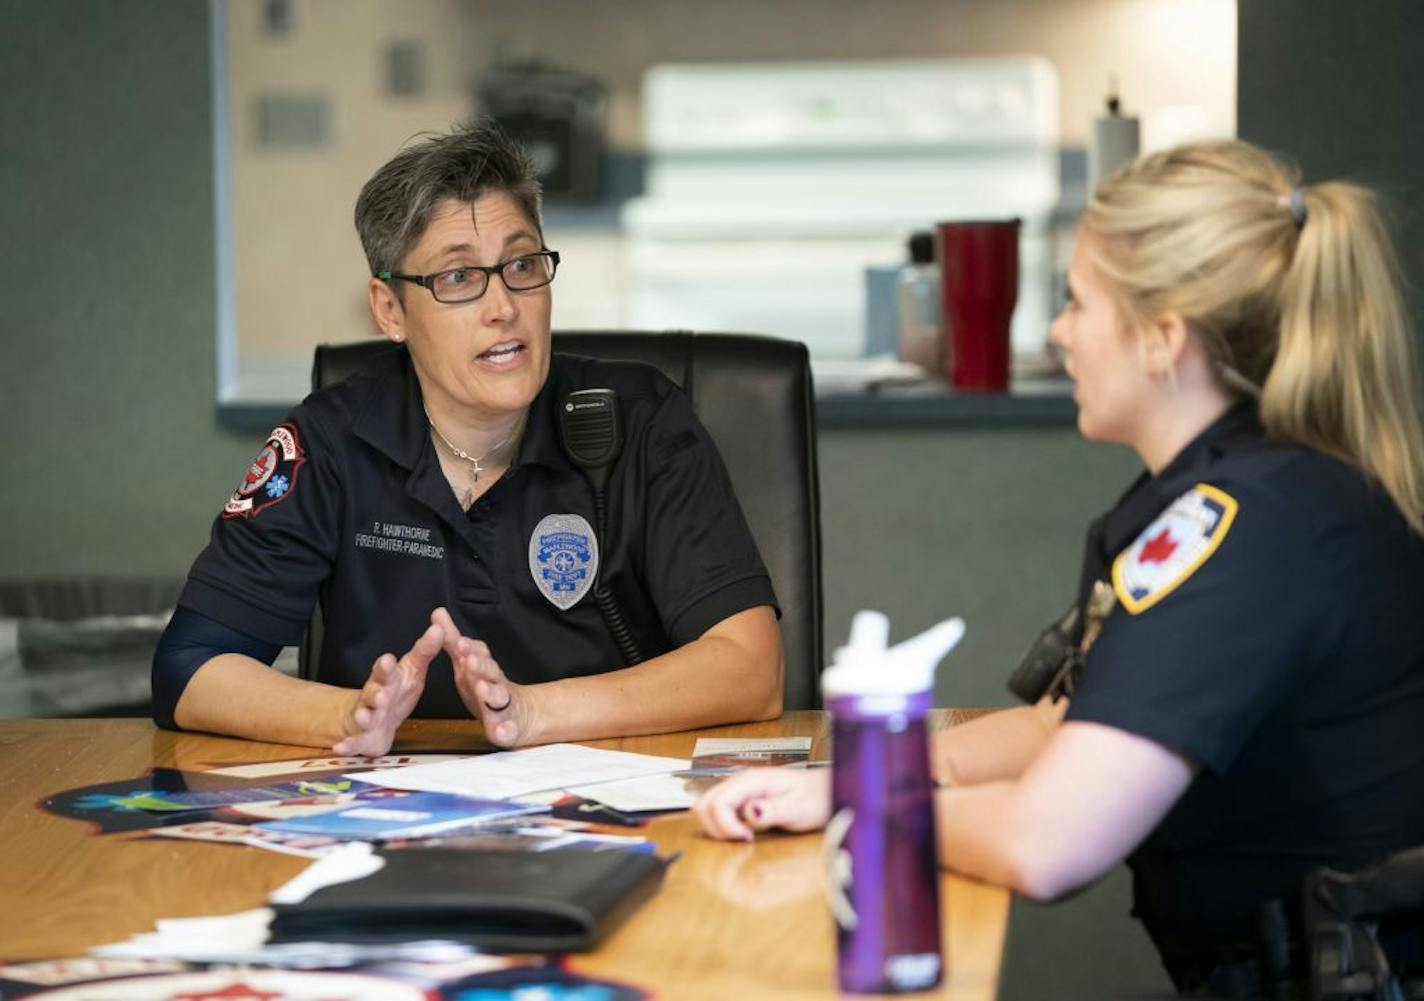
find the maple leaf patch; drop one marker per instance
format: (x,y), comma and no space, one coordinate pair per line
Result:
(1158,548)
(1167,552)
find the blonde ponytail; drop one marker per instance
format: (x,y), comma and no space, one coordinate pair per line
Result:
(1345,380)
(1292,290)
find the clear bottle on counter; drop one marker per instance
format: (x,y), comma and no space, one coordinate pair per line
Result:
(883,874)
(882,318)
(1116,138)
(918,309)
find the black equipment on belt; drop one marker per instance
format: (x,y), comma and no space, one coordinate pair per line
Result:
(1355,936)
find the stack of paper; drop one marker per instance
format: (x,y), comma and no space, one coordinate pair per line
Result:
(723,755)
(507,774)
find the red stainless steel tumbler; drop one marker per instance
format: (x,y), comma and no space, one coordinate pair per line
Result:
(979,268)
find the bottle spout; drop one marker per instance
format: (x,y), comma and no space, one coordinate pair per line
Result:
(926,650)
(866,665)
(869,632)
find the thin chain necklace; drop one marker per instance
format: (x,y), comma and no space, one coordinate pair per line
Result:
(474,460)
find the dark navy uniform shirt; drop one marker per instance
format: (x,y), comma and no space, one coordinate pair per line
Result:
(347,503)
(1268,626)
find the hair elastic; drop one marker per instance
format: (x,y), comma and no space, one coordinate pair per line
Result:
(1296,204)
(1235,380)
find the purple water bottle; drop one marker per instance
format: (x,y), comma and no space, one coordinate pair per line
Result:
(880,843)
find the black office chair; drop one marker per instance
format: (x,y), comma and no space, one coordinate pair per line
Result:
(753,394)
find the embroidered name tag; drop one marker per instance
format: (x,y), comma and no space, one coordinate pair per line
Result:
(1170,550)
(271,477)
(408,540)
(563,558)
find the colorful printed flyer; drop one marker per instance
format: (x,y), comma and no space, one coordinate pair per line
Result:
(279,792)
(304,845)
(412,816)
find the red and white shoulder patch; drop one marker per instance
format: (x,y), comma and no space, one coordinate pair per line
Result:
(1173,547)
(272,476)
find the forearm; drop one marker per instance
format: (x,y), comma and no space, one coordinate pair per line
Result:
(997,746)
(729,675)
(979,830)
(238,696)
(1089,798)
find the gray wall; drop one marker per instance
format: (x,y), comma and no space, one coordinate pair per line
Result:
(1338,86)
(113,464)
(985,524)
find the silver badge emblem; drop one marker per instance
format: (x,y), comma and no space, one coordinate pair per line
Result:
(563,558)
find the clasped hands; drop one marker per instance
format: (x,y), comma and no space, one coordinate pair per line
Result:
(757,799)
(789,799)
(504,709)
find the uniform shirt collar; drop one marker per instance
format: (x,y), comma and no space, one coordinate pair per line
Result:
(542,444)
(393,416)
(1241,422)
(1145,498)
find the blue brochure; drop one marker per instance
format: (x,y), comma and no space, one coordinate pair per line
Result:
(335,785)
(415,815)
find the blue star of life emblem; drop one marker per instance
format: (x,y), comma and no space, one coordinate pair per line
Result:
(563,558)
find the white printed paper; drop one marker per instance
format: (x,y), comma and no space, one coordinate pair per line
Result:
(647,792)
(507,774)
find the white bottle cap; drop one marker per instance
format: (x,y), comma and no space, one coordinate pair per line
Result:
(864,666)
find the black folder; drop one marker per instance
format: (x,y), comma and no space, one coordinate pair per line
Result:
(551,901)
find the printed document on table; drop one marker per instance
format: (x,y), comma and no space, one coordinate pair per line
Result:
(724,755)
(507,774)
(647,792)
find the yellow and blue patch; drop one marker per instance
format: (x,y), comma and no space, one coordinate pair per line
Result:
(1173,547)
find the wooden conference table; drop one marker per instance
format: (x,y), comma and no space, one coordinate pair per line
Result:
(731,921)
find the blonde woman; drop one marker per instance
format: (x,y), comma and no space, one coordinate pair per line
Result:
(1249,700)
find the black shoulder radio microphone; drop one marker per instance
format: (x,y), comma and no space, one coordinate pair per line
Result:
(592,432)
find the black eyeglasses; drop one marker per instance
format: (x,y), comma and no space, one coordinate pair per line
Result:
(519,274)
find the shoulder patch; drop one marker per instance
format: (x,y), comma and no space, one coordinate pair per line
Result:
(1170,550)
(272,476)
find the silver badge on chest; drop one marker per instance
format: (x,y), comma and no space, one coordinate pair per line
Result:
(563,558)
